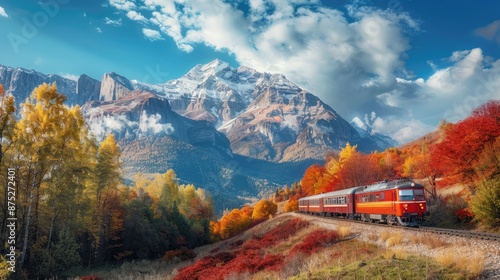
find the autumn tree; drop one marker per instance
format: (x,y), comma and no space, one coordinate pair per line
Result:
(420,165)
(291,205)
(102,194)
(333,169)
(357,170)
(485,203)
(232,223)
(50,141)
(459,151)
(263,209)
(7,123)
(311,178)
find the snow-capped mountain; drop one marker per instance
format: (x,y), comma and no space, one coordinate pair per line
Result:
(367,132)
(235,131)
(264,115)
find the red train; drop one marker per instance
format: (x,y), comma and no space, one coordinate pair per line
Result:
(397,201)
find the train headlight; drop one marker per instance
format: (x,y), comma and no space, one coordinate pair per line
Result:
(421,206)
(405,206)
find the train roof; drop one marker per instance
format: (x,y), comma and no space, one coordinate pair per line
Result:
(386,185)
(339,192)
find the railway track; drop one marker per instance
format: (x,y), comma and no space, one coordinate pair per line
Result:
(441,231)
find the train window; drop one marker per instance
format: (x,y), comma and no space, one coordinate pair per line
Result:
(382,196)
(377,197)
(405,194)
(419,194)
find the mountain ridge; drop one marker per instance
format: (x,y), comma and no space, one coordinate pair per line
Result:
(235,131)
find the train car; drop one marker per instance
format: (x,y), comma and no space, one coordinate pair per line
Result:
(336,203)
(340,203)
(399,201)
(311,204)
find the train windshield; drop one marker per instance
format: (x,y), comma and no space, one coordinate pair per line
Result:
(411,194)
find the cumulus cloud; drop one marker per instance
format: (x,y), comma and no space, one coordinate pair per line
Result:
(151,34)
(113,22)
(133,15)
(3,13)
(98,29)
(123,4)
(354,60)
(147,125)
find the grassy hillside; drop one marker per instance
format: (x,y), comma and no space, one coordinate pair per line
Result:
(287,247)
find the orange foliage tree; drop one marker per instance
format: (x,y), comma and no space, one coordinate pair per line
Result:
(264,209)
(310,180)
(461,148)
(358,170)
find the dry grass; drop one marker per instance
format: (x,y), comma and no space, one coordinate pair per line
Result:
(372,236)
(395,254)
(385,235)
(344,231)
(391,238)
(467,261)
(430,240)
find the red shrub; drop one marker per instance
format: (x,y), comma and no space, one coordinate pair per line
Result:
(250,258)
(272,262)
(315,241)
(205,267)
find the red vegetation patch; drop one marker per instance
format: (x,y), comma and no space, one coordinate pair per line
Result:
(276,235)
(315,241)
(250,258)
(205,268)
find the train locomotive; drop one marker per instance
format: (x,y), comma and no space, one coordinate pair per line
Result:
(397,201)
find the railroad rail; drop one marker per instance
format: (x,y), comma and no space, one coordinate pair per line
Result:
(441,231)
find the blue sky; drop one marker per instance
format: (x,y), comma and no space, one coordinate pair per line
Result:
(399,65)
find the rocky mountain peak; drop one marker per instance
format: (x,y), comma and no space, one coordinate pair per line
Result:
(114,86)
(367,132)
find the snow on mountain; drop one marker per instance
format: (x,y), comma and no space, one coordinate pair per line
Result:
(365,131)
(264,115)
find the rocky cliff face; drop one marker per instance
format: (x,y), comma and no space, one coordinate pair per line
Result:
(87,89)
(114,86)
(20,82)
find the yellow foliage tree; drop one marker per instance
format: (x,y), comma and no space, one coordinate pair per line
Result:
(264,209)
(291,205)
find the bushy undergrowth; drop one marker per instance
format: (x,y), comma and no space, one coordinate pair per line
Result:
(251,258)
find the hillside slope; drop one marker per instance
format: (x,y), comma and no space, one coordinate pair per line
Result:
(295,246)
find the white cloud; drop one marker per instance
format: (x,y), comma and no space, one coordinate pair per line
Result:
(353,61)
(3,13)
(117,22)
(101,125)
(98,29)
(123,4)
(133,15)
(151,34)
